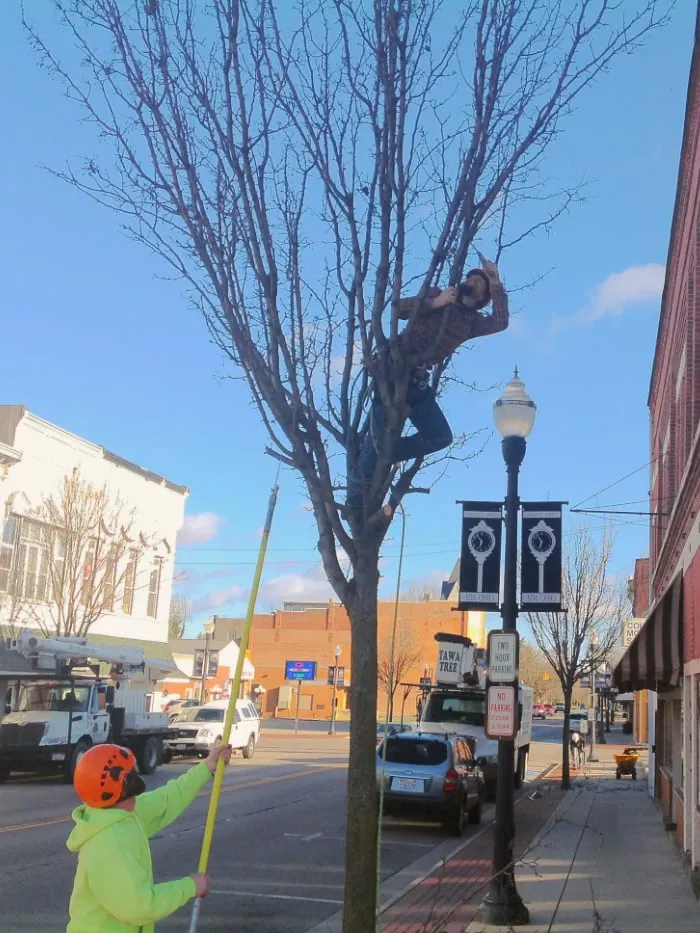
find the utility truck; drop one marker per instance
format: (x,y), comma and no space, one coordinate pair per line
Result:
(457,704)
(73,704)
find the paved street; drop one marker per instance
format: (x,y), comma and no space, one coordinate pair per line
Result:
(278,855)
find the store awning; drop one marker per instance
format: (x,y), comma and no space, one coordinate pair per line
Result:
(654,660)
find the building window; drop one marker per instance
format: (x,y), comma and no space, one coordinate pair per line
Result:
(154,587)
(87,592)
(7,547)
(110,579)
(33,560)
(130,583)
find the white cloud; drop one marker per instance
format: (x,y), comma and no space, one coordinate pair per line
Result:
(620,291)
(218,599)
(303,586)
(200,528)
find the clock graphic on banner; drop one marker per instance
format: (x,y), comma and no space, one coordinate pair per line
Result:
(481,541)
(541,541)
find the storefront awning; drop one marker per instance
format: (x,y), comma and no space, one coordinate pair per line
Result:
(654,660)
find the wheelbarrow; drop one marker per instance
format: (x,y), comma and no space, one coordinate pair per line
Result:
(627,763)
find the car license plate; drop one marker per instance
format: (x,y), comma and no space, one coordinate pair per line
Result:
(58,756)
(408,785)
(180,746)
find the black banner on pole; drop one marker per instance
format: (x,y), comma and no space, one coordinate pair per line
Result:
(540,563)
(480,559)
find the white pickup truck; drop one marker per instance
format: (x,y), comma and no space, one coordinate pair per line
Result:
(57,717)
(458,704)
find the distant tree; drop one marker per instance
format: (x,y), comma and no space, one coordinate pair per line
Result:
(407,653)
(180,614)
(421,594)
(578,640)
(74,557)
(536,671)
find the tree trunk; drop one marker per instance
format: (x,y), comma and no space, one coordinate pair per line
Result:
(361,834)
(565,765)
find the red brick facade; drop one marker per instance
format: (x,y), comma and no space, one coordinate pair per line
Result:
(674,403)
(313,634)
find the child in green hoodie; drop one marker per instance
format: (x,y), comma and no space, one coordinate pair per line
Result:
(114,890)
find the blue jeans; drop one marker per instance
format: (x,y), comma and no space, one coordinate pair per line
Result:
(432,434)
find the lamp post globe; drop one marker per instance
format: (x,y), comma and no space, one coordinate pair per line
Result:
(514,412)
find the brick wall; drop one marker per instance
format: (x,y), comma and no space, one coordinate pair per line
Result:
(674,395)
(312,635)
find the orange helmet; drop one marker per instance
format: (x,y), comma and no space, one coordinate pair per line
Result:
(100,775)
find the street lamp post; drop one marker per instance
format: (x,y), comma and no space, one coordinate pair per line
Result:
(514,414)
(208,632)
(338,649)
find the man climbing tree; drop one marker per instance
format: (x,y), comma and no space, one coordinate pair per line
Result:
(438,325)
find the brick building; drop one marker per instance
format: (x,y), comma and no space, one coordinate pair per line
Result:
(665,656)
(312,631)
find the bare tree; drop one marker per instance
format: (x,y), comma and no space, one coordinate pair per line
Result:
(407,653)
(87,558)
(421,594)
(301,171)
(180,609)
(578,640)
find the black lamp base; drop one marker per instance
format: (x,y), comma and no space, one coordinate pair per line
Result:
(503,906)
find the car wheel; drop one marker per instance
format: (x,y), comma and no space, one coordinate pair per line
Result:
(167,756)
(81,747)
(249,749)
(475,813)
(522,769)
(4,771)
(150,753)
(456,821)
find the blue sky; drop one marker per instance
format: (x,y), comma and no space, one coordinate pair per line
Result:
(97,342)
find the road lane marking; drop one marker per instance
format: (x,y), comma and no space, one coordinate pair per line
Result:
(243,785)
(19,826)
(278,897)
(303,836)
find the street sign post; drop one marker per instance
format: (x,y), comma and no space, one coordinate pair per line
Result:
(501,706)
(503,657)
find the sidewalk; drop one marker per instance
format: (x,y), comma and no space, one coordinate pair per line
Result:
(446,900)
(604,864)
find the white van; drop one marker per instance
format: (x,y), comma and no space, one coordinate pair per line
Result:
(199,728)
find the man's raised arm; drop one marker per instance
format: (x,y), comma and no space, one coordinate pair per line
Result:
(494,323)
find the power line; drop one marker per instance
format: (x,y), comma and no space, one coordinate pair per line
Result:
(616,483)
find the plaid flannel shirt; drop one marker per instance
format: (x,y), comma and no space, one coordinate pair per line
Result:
(434,335)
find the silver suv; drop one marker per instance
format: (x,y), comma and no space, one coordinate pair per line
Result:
(433,776)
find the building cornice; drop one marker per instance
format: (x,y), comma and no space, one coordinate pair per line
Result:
(8,457)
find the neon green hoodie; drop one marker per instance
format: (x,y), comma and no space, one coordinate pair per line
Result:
(114,890)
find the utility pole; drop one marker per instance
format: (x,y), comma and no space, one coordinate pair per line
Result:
(334,701)
(209,628)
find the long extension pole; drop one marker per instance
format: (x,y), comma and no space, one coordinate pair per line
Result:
(230,712)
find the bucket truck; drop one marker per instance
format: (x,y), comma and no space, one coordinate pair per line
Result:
(73,704)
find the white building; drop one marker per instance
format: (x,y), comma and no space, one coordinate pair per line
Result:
(35,459)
